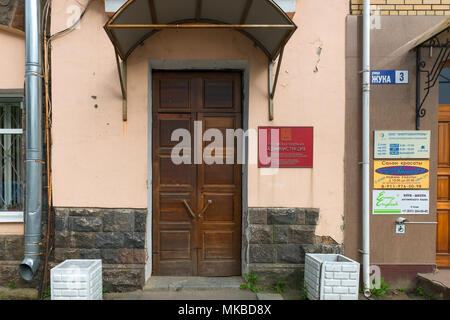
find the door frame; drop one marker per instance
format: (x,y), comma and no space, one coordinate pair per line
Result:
(242,66)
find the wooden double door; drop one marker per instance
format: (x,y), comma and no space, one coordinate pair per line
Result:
(196,206)
(443,203)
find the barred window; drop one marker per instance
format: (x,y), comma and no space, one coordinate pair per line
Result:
(11,161)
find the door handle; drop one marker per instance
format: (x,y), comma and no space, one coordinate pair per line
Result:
(205,208)
(189,208)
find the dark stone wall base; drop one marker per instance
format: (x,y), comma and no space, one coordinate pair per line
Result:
(116,236)
(276,241)
(9,274)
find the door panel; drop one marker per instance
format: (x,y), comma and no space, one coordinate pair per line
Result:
(221,185)
(174,236)
(443,196)
(196,207)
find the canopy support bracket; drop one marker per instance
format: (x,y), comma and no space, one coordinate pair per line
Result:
(432,75)
(122,70)
(273,83)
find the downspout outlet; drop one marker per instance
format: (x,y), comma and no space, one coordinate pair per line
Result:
(28,268)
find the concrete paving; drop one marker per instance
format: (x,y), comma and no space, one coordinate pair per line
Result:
(269,296)
(184,294)
(188,288)
(159,283)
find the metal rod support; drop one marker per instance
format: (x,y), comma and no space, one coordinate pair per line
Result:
(122,70)
(273,83)
(420,222)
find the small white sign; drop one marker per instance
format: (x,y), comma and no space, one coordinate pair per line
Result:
(401,202)
(413,144)
(401,76)
(400,228)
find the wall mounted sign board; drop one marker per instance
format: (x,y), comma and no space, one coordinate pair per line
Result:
(389,77)
(401,202)
(285,147)
(401,174)
(402,144)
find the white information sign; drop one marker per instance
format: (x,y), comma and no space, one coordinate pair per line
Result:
(401,202)
(413,144)
(400,228)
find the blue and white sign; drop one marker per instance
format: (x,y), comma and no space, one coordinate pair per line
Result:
(389,77)
(412,144)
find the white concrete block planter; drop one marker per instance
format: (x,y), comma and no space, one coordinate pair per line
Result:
(77,280)
(331,277)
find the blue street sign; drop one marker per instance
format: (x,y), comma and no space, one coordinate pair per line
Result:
(389,77)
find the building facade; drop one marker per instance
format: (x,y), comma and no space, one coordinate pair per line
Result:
(118,196)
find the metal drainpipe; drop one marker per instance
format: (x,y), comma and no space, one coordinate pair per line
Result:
(33,99)
(365,147)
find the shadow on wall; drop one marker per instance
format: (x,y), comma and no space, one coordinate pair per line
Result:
(444,85)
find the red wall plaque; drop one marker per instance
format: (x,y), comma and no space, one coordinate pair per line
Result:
(285,147)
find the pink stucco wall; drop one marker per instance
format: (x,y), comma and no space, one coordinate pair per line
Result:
(12,60)
(99,161)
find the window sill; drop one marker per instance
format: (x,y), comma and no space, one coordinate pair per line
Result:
(11,216)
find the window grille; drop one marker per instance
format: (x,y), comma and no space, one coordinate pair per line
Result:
(11,159)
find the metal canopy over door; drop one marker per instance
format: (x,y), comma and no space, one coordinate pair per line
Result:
(196,207)
(443,204)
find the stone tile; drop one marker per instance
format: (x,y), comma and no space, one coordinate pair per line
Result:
(329,248)
(312,248)
(90,254)
(110,256)
(85,240)
(13,248)
(6,15)
(62,239)
(312,216)
(61,223)
(262,253)
(290,253)
(61,212)
(18,21)
(301,235)
(85,224)
(300,215)
(86,212)
(140,221)
(139,256)
(135,240)
(280,233)
(109,240)
(120,278)
(261,234)
(281,216)
(125,256)
(109,223)
(62,254)
(118,222)
(257,215)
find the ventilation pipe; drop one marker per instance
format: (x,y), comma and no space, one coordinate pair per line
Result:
(365,147)
(33,101)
